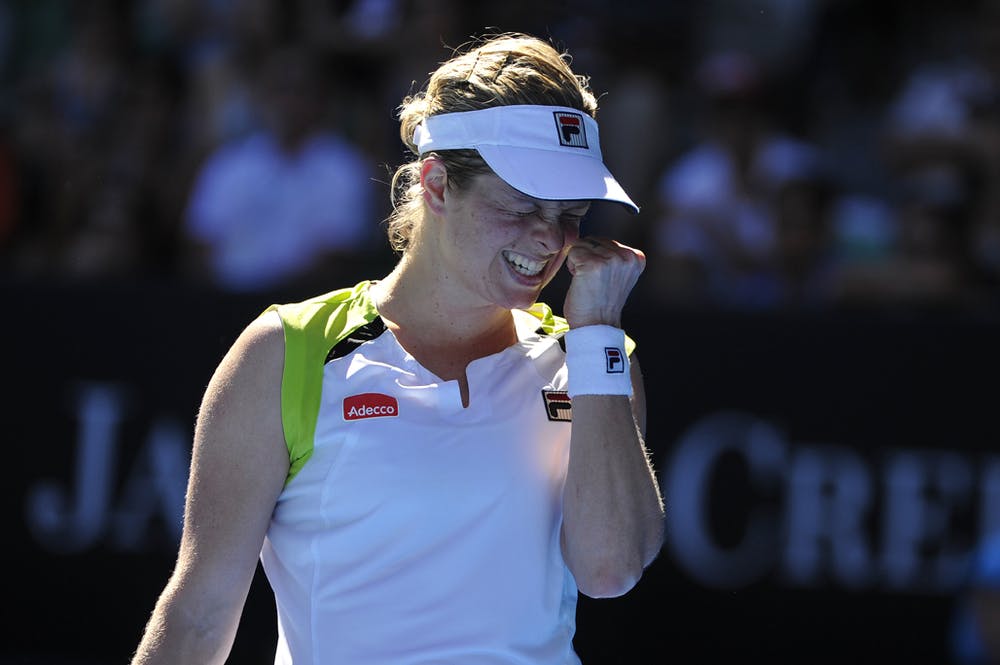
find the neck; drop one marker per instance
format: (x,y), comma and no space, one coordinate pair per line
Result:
(424,303)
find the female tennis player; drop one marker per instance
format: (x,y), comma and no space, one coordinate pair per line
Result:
(431,465)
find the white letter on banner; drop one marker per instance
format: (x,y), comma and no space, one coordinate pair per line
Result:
(688,492)
(66,525)
(829,497)
(155,488)
(923,491)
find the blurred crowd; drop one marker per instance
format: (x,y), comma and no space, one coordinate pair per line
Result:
(785,153)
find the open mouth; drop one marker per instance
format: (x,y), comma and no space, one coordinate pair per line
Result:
(523,265)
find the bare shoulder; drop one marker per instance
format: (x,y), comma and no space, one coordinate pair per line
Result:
(255,360)
(242,404)
(261,344)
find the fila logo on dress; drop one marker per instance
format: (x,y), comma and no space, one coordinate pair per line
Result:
(370,405)
(558,405)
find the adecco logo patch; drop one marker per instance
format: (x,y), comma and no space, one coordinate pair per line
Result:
(370,405)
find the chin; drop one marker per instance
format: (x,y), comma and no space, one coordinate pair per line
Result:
(516,294)
(522,300)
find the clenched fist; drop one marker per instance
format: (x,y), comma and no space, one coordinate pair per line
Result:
(604,272)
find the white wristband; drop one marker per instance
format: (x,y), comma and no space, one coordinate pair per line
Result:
(596,361)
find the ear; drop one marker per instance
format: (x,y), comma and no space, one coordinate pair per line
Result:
(434,180)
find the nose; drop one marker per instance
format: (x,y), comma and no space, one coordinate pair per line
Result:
(549,231)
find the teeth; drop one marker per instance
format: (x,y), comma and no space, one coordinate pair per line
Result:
(523,264)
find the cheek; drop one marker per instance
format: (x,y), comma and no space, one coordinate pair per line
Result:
(497,230)
(481,228)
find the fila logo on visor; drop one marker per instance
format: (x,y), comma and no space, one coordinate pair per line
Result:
(572,132)
(370,405)
(558,405)
(615,360)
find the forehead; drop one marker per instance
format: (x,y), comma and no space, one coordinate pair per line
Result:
(494,188)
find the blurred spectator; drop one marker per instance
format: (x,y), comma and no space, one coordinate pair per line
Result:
(223,44)
(926,258)
(718,238)
(356,25)
(806,262)
(128,224)
(777,32)
(828,177)
(941,146)
(66,112)
(273,207)
(382,47)
(844,83)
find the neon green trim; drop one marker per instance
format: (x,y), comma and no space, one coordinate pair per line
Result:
(315,326)
(549,322)
(312,328)
(556,325)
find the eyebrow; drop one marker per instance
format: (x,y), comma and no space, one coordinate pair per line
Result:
(556,207)
(513,195)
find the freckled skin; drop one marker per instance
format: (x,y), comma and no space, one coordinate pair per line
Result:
(491,217)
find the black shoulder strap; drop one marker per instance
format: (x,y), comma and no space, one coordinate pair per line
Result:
(560,337)
(356,338)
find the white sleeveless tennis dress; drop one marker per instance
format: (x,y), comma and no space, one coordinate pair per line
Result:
(413,531)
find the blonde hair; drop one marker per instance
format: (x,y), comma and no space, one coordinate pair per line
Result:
(506,69)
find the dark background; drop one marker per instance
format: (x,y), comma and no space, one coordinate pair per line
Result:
(872,352)
(871,382)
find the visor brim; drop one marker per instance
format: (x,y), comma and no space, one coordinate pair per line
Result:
(555,175)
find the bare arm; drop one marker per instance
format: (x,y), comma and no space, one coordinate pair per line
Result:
(238,468)
(612,509)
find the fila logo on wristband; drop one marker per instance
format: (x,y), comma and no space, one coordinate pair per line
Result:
(615,360)
(584,372)
(370,405)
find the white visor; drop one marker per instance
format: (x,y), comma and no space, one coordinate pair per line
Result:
(548,152)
